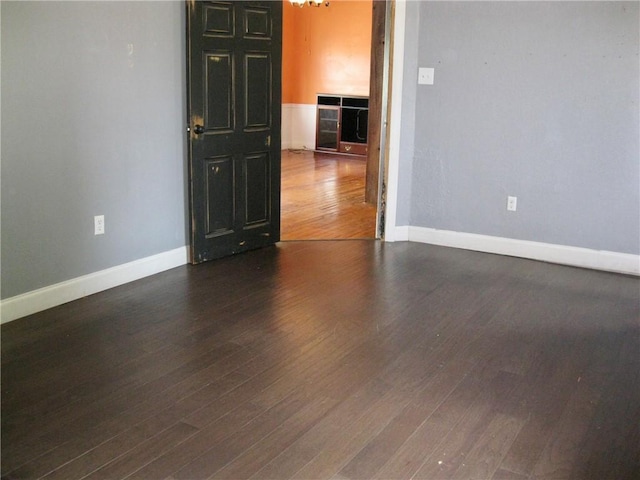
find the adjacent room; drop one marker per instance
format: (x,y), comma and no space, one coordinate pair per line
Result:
(325,98)
(491,331)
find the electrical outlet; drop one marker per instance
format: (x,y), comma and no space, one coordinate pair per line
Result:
(425,75)
(512,203)
(98,225)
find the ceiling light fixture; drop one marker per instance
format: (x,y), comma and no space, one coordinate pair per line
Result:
(314,3)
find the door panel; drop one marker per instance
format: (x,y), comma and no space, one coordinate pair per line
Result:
(257,91)
(234,75)
(257,188)
(218,92)
(258,23)
(218,20)
(219,191)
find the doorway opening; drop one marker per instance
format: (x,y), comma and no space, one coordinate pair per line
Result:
(328,52)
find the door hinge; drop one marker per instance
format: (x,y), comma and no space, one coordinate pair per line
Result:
(267,142)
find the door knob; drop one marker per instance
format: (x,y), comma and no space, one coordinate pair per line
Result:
(198,129)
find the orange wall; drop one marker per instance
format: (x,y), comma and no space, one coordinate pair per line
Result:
(325,50)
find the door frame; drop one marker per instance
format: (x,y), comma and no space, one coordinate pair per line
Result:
(377,85)
(387,65)
(391,152)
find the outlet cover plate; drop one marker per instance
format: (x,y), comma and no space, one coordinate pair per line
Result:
(426,75)
(98,225)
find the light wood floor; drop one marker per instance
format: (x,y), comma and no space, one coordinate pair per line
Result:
(332,359)
(323,197)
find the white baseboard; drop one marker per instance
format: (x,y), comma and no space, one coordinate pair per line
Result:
(398,234)
(561,254)
(63,292)
(298,126)
(54,295)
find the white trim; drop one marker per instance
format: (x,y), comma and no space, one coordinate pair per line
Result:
(401,234)
(395,115)
(547,252)
(298,126)
(63,292)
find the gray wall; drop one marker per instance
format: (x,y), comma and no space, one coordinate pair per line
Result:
(90,127)
(537,100)
(408,129)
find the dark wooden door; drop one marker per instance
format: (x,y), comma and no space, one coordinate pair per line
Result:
(234,56)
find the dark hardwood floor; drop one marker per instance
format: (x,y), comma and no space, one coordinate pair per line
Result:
(346,360)
(323,197)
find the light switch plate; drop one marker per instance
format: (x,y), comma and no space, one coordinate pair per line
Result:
(425,75)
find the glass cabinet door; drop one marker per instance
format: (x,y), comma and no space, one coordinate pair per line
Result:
(328,127)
